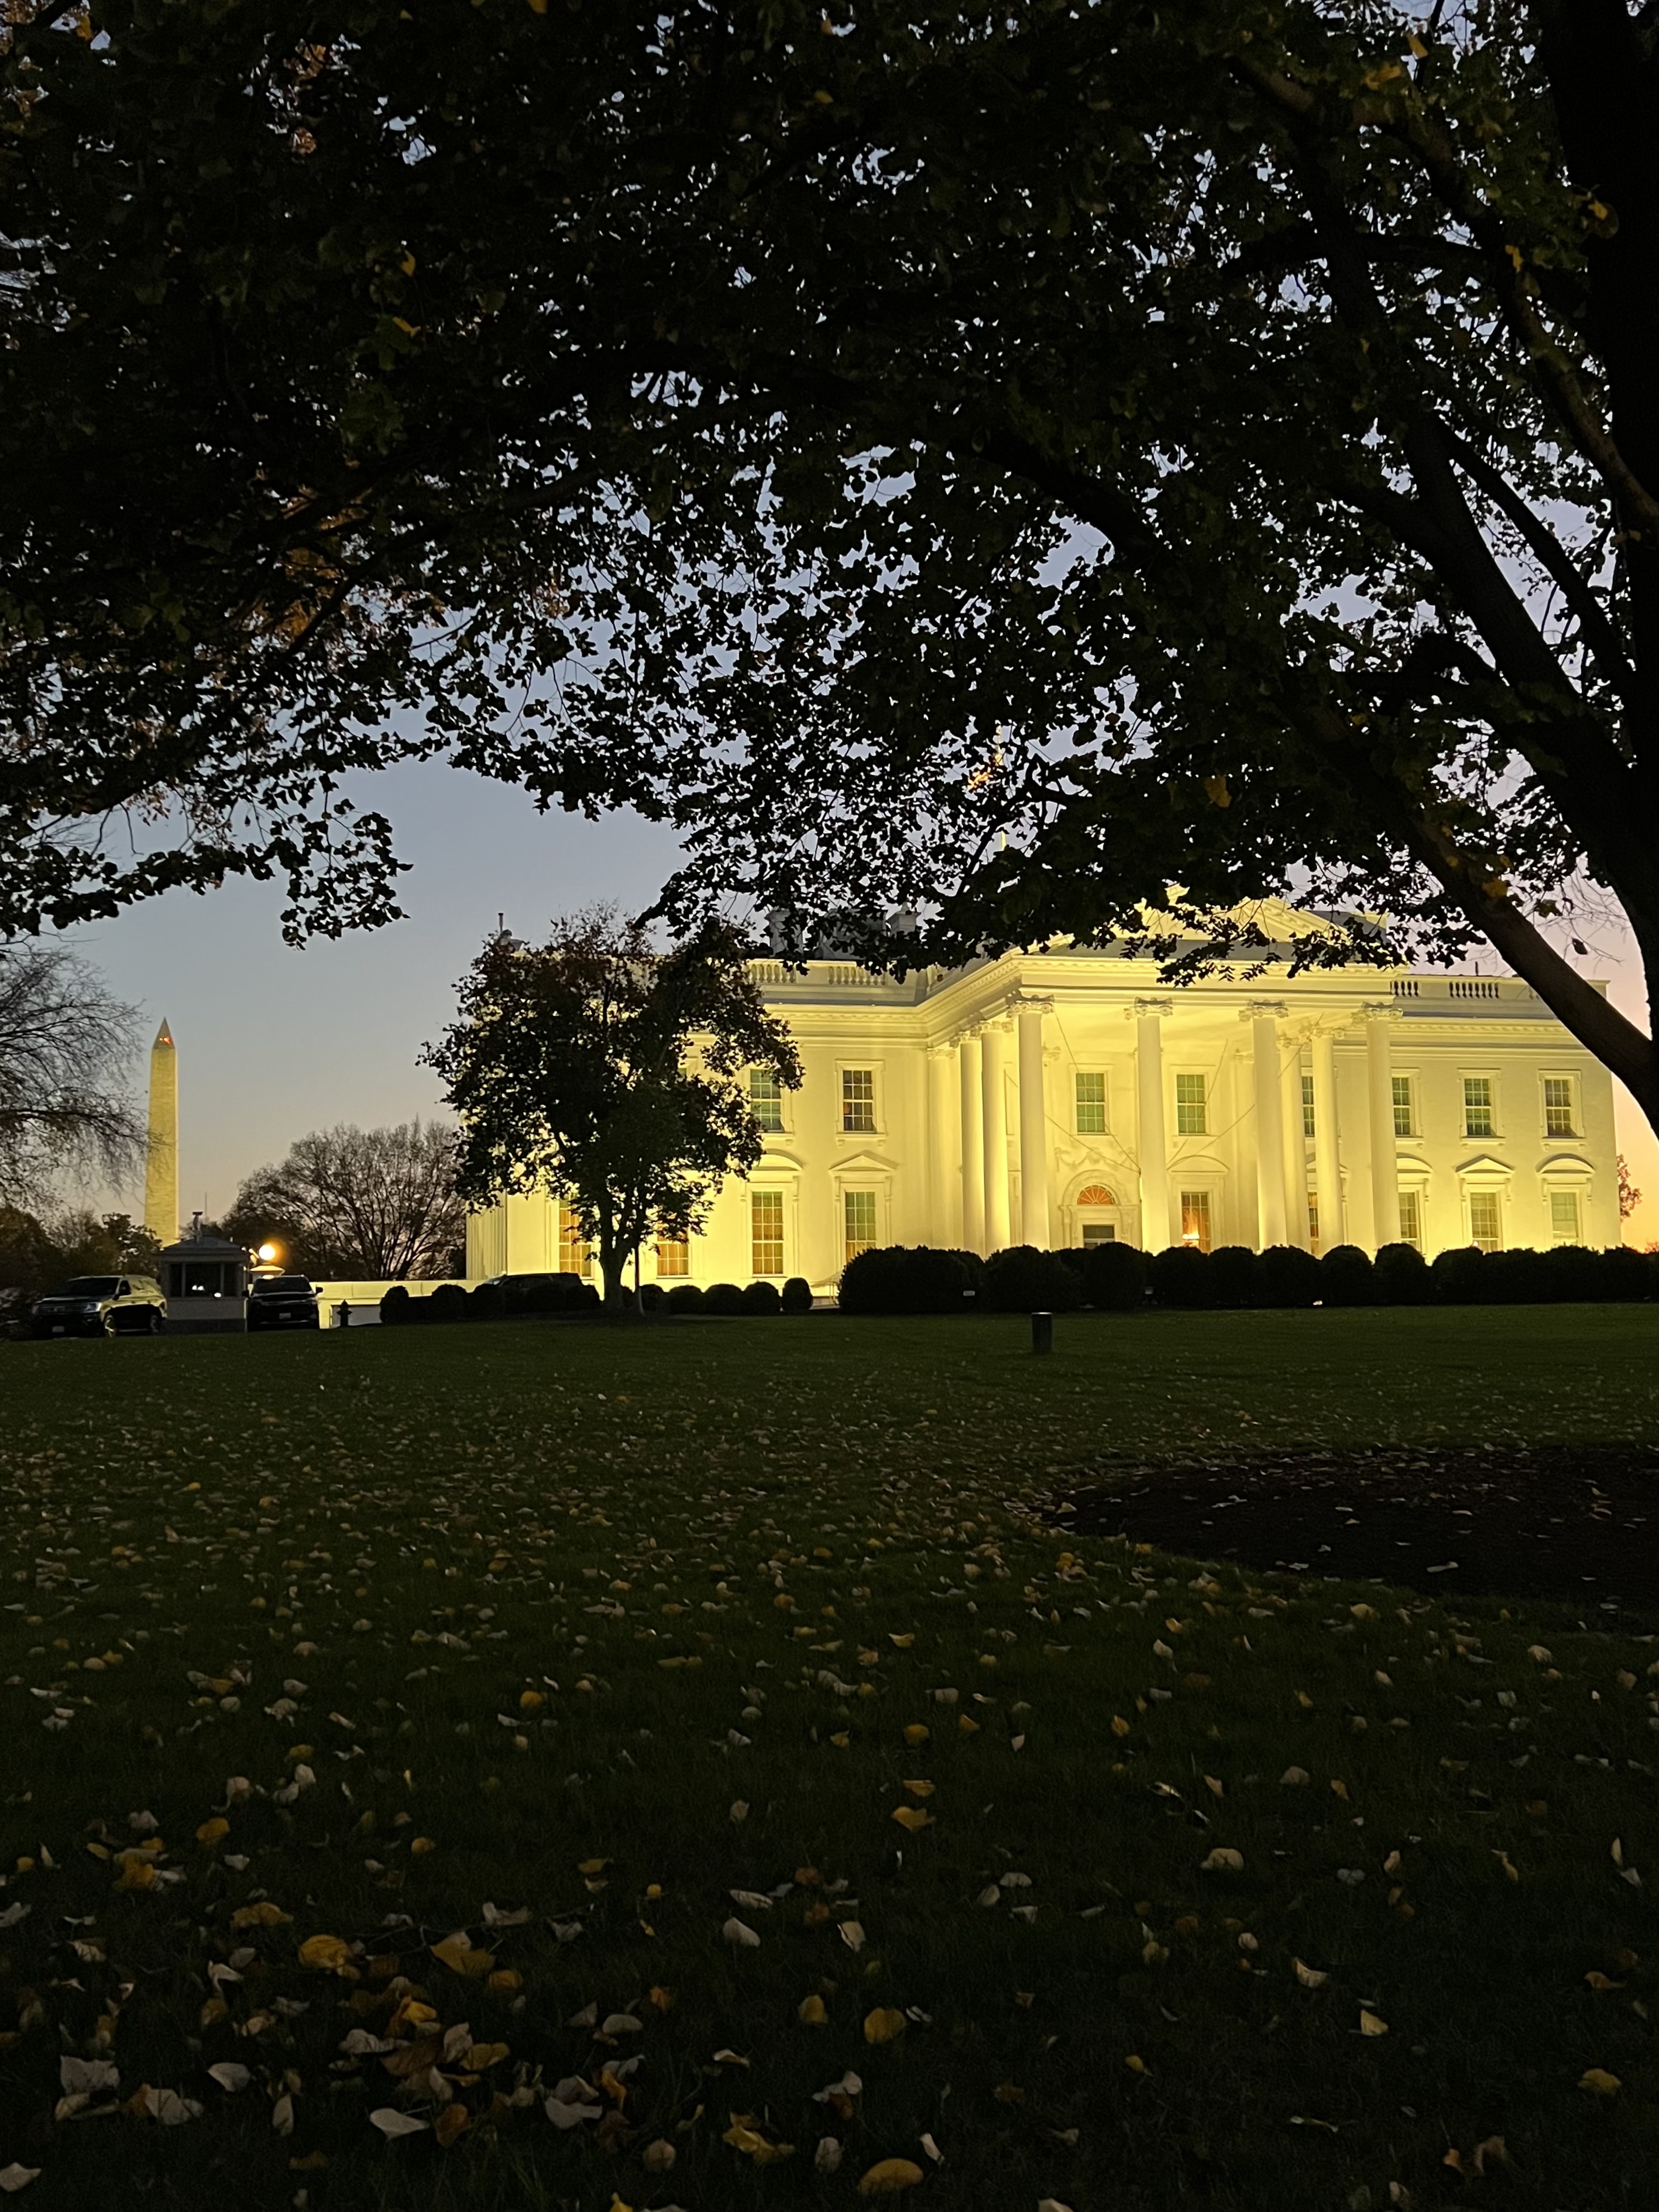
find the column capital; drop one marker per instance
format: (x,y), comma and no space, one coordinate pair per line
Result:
(1029,1002)
(1143,1010)
(1380,1010)
(998,1024)
(1263,1010)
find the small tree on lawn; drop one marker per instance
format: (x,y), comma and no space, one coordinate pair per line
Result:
(601,1069)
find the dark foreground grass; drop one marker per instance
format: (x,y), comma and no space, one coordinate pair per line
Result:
(805,1804)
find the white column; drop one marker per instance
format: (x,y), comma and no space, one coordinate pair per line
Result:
(994,1061)
(1385,1171)
(972,1145)
(1269,1124)
(1327,1159)
(1157,1231)
(1033,1127)
(1296,1145)
(943,1109)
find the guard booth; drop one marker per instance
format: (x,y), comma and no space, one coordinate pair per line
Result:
(205,1279)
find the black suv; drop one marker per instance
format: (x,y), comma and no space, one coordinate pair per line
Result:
(102,1305)
(281,1302)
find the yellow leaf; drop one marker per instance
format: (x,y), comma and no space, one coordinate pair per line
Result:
(912,1817)
(504,1980)
(885,2025)
(920,1789)
(1135,2065)
(327,1954)
(1310,1976)
(1599,2082)
(529,1699)
(453,2120)
(265,1914)
(592,1866)
(1119,1726)
(888,2176)
(916,1733)
(135,1874)
(966,1725)
(1601,1982)
(421,1844)
(744,2137)
(811,2012)
(1371,2025)
(481,2057)
(213,1831)
(1216,791)
(459,1955)
(661,1999)
(903,1643)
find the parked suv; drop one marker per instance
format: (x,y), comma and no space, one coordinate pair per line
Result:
(281,1302)
(102,1305)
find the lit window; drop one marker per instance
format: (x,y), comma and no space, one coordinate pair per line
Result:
(1190,1118)
(1411,1220)
(1566,1227)
(766,1098)
(673,1255)
(1558,1106)
(766,1232)
(1486,1229)
(1405,1107)
(1313,1222)
(857,1098)
(859,1218)
(1195,1217)
(1309,1129)
(1090,1105)
(1477,1107)
(575,1254)
(1099,1232)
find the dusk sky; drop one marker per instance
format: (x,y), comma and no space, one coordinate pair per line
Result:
(273,1043)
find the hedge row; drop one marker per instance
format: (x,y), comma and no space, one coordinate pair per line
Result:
(900,1278)
(521,1294)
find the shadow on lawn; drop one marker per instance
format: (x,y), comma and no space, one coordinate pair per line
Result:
(1577,1523)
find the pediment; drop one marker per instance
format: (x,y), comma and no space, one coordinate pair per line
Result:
(1485,1167)
(866,1163)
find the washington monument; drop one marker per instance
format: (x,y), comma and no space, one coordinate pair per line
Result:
(161,1162)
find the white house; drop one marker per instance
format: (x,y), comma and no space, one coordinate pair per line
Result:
(1067,1097)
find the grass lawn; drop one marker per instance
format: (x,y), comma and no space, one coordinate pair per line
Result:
(672,1767)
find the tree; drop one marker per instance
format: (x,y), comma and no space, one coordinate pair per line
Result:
(1005,460)
(595,1067)
(65,1049)
(368,1204)
(35,1254)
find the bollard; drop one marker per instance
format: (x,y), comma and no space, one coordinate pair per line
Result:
(343,1315)
(1042,1332)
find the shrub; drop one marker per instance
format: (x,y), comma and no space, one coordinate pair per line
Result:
(685,1297)
(653,1299)
(396,1307)
(1024,1279)
(904,1279)
(1113,1276)
(1401,1275)
(1457,1274)
(1519,1278)
(541,1293)
(1346,1277)
(1626,1273)
(1180,1276)
(797,1296)
(762,1298)
(1285,1275)
(1232,1275)
(446,1302)
(487,1302)
(722,1299)
(587,1295)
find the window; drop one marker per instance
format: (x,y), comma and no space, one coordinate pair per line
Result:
(766,1098)
(766,1232)
(1477,1107)
(1195,1214)
(1486,1229)
(857,1098)
(1405,1107)
(1565,1223)
(858,1209)
(1190,1117)
(1090,1105)
(673,1255)
(1411,1220)
(1313,1222)
(1557,1107)
(575,1254)
(1099,1232)
(1309,1128)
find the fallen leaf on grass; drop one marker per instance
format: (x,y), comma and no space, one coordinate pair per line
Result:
(1310,1976)
(744,2137)
(740,1935)
(1371,2025)
(1599,2082)
(459,1955)
(888,2176)
(453,2120)
(229,2076)
(883,2025)
(913,1818)
(1222,1860)
(329,1955)
(391,2122)
(852,1933)
(811,2012)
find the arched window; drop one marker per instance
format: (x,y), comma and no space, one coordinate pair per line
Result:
(1096,1193)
